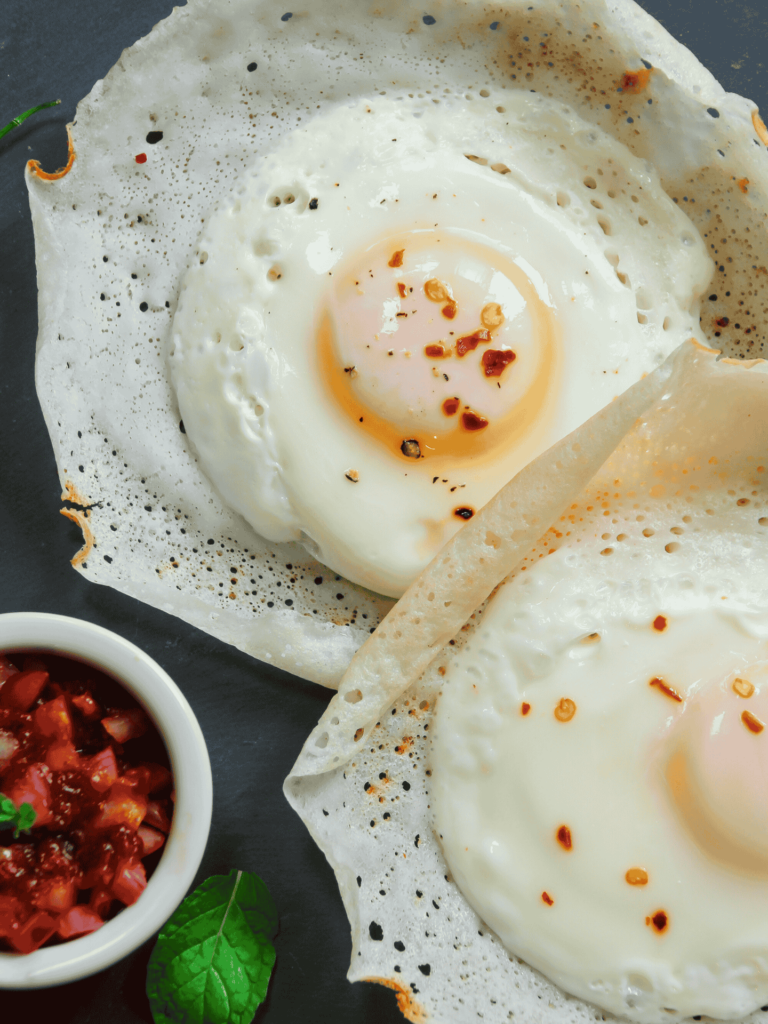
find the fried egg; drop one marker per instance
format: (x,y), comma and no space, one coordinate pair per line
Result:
(401,305)
(600,772)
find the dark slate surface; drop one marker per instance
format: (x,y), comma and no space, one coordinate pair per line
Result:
(254,718)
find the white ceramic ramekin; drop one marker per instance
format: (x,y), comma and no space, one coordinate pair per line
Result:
(191,767)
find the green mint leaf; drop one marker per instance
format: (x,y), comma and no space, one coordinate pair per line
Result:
(23,117)
(7,809)
(214,957)
(25,819)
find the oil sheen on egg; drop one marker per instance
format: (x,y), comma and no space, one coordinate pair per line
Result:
(402,305)
(599,789)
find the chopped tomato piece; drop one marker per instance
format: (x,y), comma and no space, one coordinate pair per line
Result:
(122,806)
(139,779)
(79,920)
(21,691)
(87,706)
(6,669)
(157,815)
(61,755)
(129,882)
(56,895)
(161,777)
(8,747)
(53,719)
(126,725)
(102,770)
(33,788)
(151,838)
(101,901)
(36,930)
(10,914)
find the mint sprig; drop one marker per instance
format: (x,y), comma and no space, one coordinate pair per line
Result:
(214,957)
(23,117)
(20,819)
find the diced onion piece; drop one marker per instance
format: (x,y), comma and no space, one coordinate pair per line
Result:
(79,920)
(126,725)
(129,882)
(122,806)
(6,669)
(157,815)
(151,838)
(53,719)
(102,770)
(21,691)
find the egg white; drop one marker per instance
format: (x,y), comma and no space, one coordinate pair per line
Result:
(507,773)
(617,264)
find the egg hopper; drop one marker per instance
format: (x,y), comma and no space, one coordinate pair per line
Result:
(686,447)
(167,132)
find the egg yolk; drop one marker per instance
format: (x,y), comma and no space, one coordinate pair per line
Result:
(438,346)
(717,773)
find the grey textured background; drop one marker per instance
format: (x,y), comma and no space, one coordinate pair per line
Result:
(254,719)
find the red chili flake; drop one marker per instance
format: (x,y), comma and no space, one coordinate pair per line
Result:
(401,289)
(637,876)
(742,183)
(723,321)
(451,406)
(666,689)
(635,81)
(660,623)
(565,709)
(450,311)
(659,920)
(473,420)
(436,351)
(470,341)
(141,158)
(397,258)
(564,837)
(547,899)
(524,709)
(464,512)
(752,723)
(495,361)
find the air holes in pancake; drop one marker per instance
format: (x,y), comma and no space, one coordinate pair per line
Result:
(648,532)
(322,741)
(500,168)
(642,318)
(476,159)
(590,182)
(203,257)
(563,199)
(642,221)
(667,323)
(274,273)
(597,204)
(643,299)
(605,224)
(353,696)
(763,521)
(672,547)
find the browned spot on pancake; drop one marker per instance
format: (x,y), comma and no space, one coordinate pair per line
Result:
(33,166)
